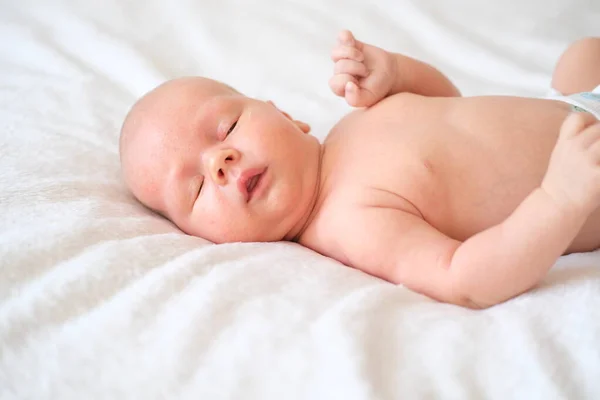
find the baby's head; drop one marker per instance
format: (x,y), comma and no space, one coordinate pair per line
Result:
(218,164)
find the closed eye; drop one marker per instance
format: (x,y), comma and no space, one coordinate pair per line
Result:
(200,188)
(232,128)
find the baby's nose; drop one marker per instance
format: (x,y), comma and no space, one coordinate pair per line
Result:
(219,165)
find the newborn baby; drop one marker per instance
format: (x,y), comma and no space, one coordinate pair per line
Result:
(466,200)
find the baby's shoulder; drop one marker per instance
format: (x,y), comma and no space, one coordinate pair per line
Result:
(350,215)
(360,235)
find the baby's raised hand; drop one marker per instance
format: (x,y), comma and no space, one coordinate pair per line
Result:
(363,74)
(573,175)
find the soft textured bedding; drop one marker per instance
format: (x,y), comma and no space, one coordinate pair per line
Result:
(102,299)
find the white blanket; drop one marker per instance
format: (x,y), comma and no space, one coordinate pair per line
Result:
(102,299)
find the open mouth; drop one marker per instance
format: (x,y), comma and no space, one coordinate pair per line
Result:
(251,184)
(250,181)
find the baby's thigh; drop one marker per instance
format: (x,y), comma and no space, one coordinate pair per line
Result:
(578,69)
(588,238)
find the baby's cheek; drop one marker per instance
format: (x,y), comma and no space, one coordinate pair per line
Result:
(211,227)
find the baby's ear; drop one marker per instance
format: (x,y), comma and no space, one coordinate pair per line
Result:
(304,127)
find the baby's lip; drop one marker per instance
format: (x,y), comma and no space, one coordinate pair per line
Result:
(245,179)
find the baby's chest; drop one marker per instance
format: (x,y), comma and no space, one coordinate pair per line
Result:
(459,183)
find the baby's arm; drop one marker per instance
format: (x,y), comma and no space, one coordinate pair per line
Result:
(365,74)
(502,261)
(488,268)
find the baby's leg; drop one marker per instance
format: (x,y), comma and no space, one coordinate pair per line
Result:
(578,69)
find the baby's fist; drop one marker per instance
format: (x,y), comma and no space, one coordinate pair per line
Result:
(363,74)
(573,175)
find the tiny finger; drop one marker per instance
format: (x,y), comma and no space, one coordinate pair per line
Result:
(338,82)
(594,150)
(346,37)
(590,135)
(351,94)
(347,52)
(575,123)
(351,67)
(356,96)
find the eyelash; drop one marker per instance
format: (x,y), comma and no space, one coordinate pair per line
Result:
(231,128)
(200,188)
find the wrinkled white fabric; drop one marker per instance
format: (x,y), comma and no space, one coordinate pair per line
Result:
(102,299)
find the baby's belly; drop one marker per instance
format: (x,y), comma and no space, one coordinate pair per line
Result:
(496,153)
(467,208)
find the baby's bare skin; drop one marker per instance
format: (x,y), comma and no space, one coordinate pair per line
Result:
(467,200)
(462,172)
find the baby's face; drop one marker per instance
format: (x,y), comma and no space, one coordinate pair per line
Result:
(220,165)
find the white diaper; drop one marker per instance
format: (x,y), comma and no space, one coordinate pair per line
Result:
(585,101)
